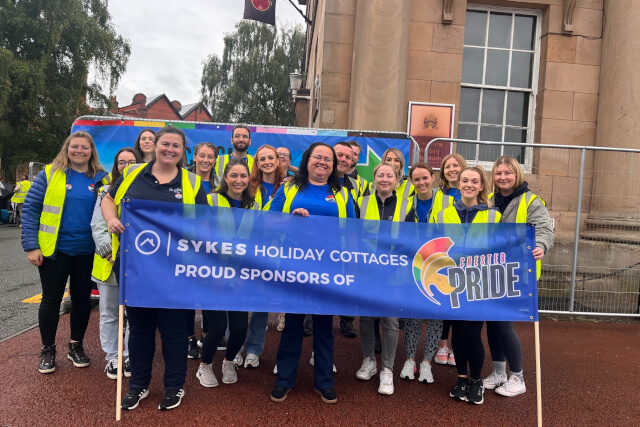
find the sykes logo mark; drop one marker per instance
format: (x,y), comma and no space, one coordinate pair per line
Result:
(477,277)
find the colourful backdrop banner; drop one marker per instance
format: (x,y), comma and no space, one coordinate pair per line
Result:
(202,257)
(111,135)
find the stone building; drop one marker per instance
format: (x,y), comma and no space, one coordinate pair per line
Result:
(541,71)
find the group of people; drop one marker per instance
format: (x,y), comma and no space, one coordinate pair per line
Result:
(71,224)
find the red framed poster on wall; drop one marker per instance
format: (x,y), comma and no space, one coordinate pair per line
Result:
(428,121)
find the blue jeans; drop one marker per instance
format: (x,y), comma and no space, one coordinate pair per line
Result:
(257,333)
(109,305)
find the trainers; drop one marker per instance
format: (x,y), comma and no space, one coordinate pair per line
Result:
(408,370)
(367,370)
(459,391)
(77,355)
(47,359)
(442,356)
(238,359)
(275,370)
(112,369)
(426,376)
(171,399)
(206,376)
(200,341)
(328,395)
(127,368)
(229,374)
(312,363)
(222,345)
(494,380)
(194,351)
(513,387)
(279,393)
(307,328)
(386,382)
(451,360)
(133,397)
(475,392)
(347,329)
(280,326)
(252,361)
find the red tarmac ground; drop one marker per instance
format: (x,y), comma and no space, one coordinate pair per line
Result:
(590,371)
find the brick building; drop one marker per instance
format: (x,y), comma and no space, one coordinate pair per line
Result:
(159,107)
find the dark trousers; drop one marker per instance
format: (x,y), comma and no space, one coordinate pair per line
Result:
(290,349)
(191,319)
(446,325)
(172,324)
(505,344)
(238,323)
(466,341)
(53,275)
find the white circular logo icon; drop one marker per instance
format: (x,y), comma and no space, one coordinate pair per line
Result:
(147,242)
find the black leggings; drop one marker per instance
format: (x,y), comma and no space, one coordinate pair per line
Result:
(446,325)
(53,275)
(238,322)
(466,341)
(505,344)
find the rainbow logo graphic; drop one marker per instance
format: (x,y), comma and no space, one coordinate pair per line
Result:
(432,257)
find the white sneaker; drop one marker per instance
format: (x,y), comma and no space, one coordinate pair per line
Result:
(386,382)
(513,387)
(367,370)
(229,374)
(275,370)
(312,361)
(206,376)
(252,361)
(425,372)
(238,359)
(494,380)
(408,370)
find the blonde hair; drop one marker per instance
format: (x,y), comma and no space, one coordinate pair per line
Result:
(396,171)
(62,159)
(513,166)
(397,153)
(444,182)
(482,195)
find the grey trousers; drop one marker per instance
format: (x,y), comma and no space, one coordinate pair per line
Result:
(389,339)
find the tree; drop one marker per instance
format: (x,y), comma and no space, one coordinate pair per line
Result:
(251,82)
(46,51)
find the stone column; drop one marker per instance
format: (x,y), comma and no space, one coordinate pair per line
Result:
(379,69)
(616,191)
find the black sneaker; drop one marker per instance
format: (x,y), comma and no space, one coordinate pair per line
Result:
(475,392)
(133,397)
(112,369)
(77,355)
(307,328)
(194,351)
(328,395)
(459,391)
(346,327)
(279,393)
(171,399)
(222,346)
(127,368)
(47,359)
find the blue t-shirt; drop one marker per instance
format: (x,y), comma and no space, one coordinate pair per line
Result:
(74,237)
(207,186)
(453,192)
(266,192)
(422,209)
(317,199)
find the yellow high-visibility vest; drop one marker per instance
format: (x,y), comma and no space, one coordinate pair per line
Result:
(20,195)
(370,209)
(221,163)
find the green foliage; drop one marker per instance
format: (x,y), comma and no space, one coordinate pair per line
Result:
(46,51)
(251,82)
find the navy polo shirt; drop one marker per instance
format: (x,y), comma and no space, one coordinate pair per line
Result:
(147,187)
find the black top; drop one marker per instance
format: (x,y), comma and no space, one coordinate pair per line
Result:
(387,208)
(146,187)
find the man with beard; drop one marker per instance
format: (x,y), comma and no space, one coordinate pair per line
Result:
(241,140)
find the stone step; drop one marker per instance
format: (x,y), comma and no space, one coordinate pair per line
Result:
(613,224)
(628,237)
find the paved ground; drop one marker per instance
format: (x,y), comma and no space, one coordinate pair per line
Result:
(590,376)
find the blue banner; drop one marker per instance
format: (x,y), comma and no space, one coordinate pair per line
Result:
(202,257)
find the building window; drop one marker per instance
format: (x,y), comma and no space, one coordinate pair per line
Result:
(499,82)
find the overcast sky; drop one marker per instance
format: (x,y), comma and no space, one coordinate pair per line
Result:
(170,40)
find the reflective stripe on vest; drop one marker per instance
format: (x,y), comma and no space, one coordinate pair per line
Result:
(441,201)
(291,191)
(51,214)
(222,161)
(101,266)
(450,216)
(370,209)
(20,195)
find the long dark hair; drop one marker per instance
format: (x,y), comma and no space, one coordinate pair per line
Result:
(136,145)
(213,178)
(301,179)
(247,197)
(115,173)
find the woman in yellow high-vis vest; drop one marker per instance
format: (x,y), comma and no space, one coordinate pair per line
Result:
(466,338)
(104,276)
(511,196)
(19,193)
(56,234)
(162,179)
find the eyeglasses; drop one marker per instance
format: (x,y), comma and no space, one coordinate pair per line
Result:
(284,155)
(126,163)
(319,158)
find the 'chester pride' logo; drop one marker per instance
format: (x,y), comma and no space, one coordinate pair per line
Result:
(432,257)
